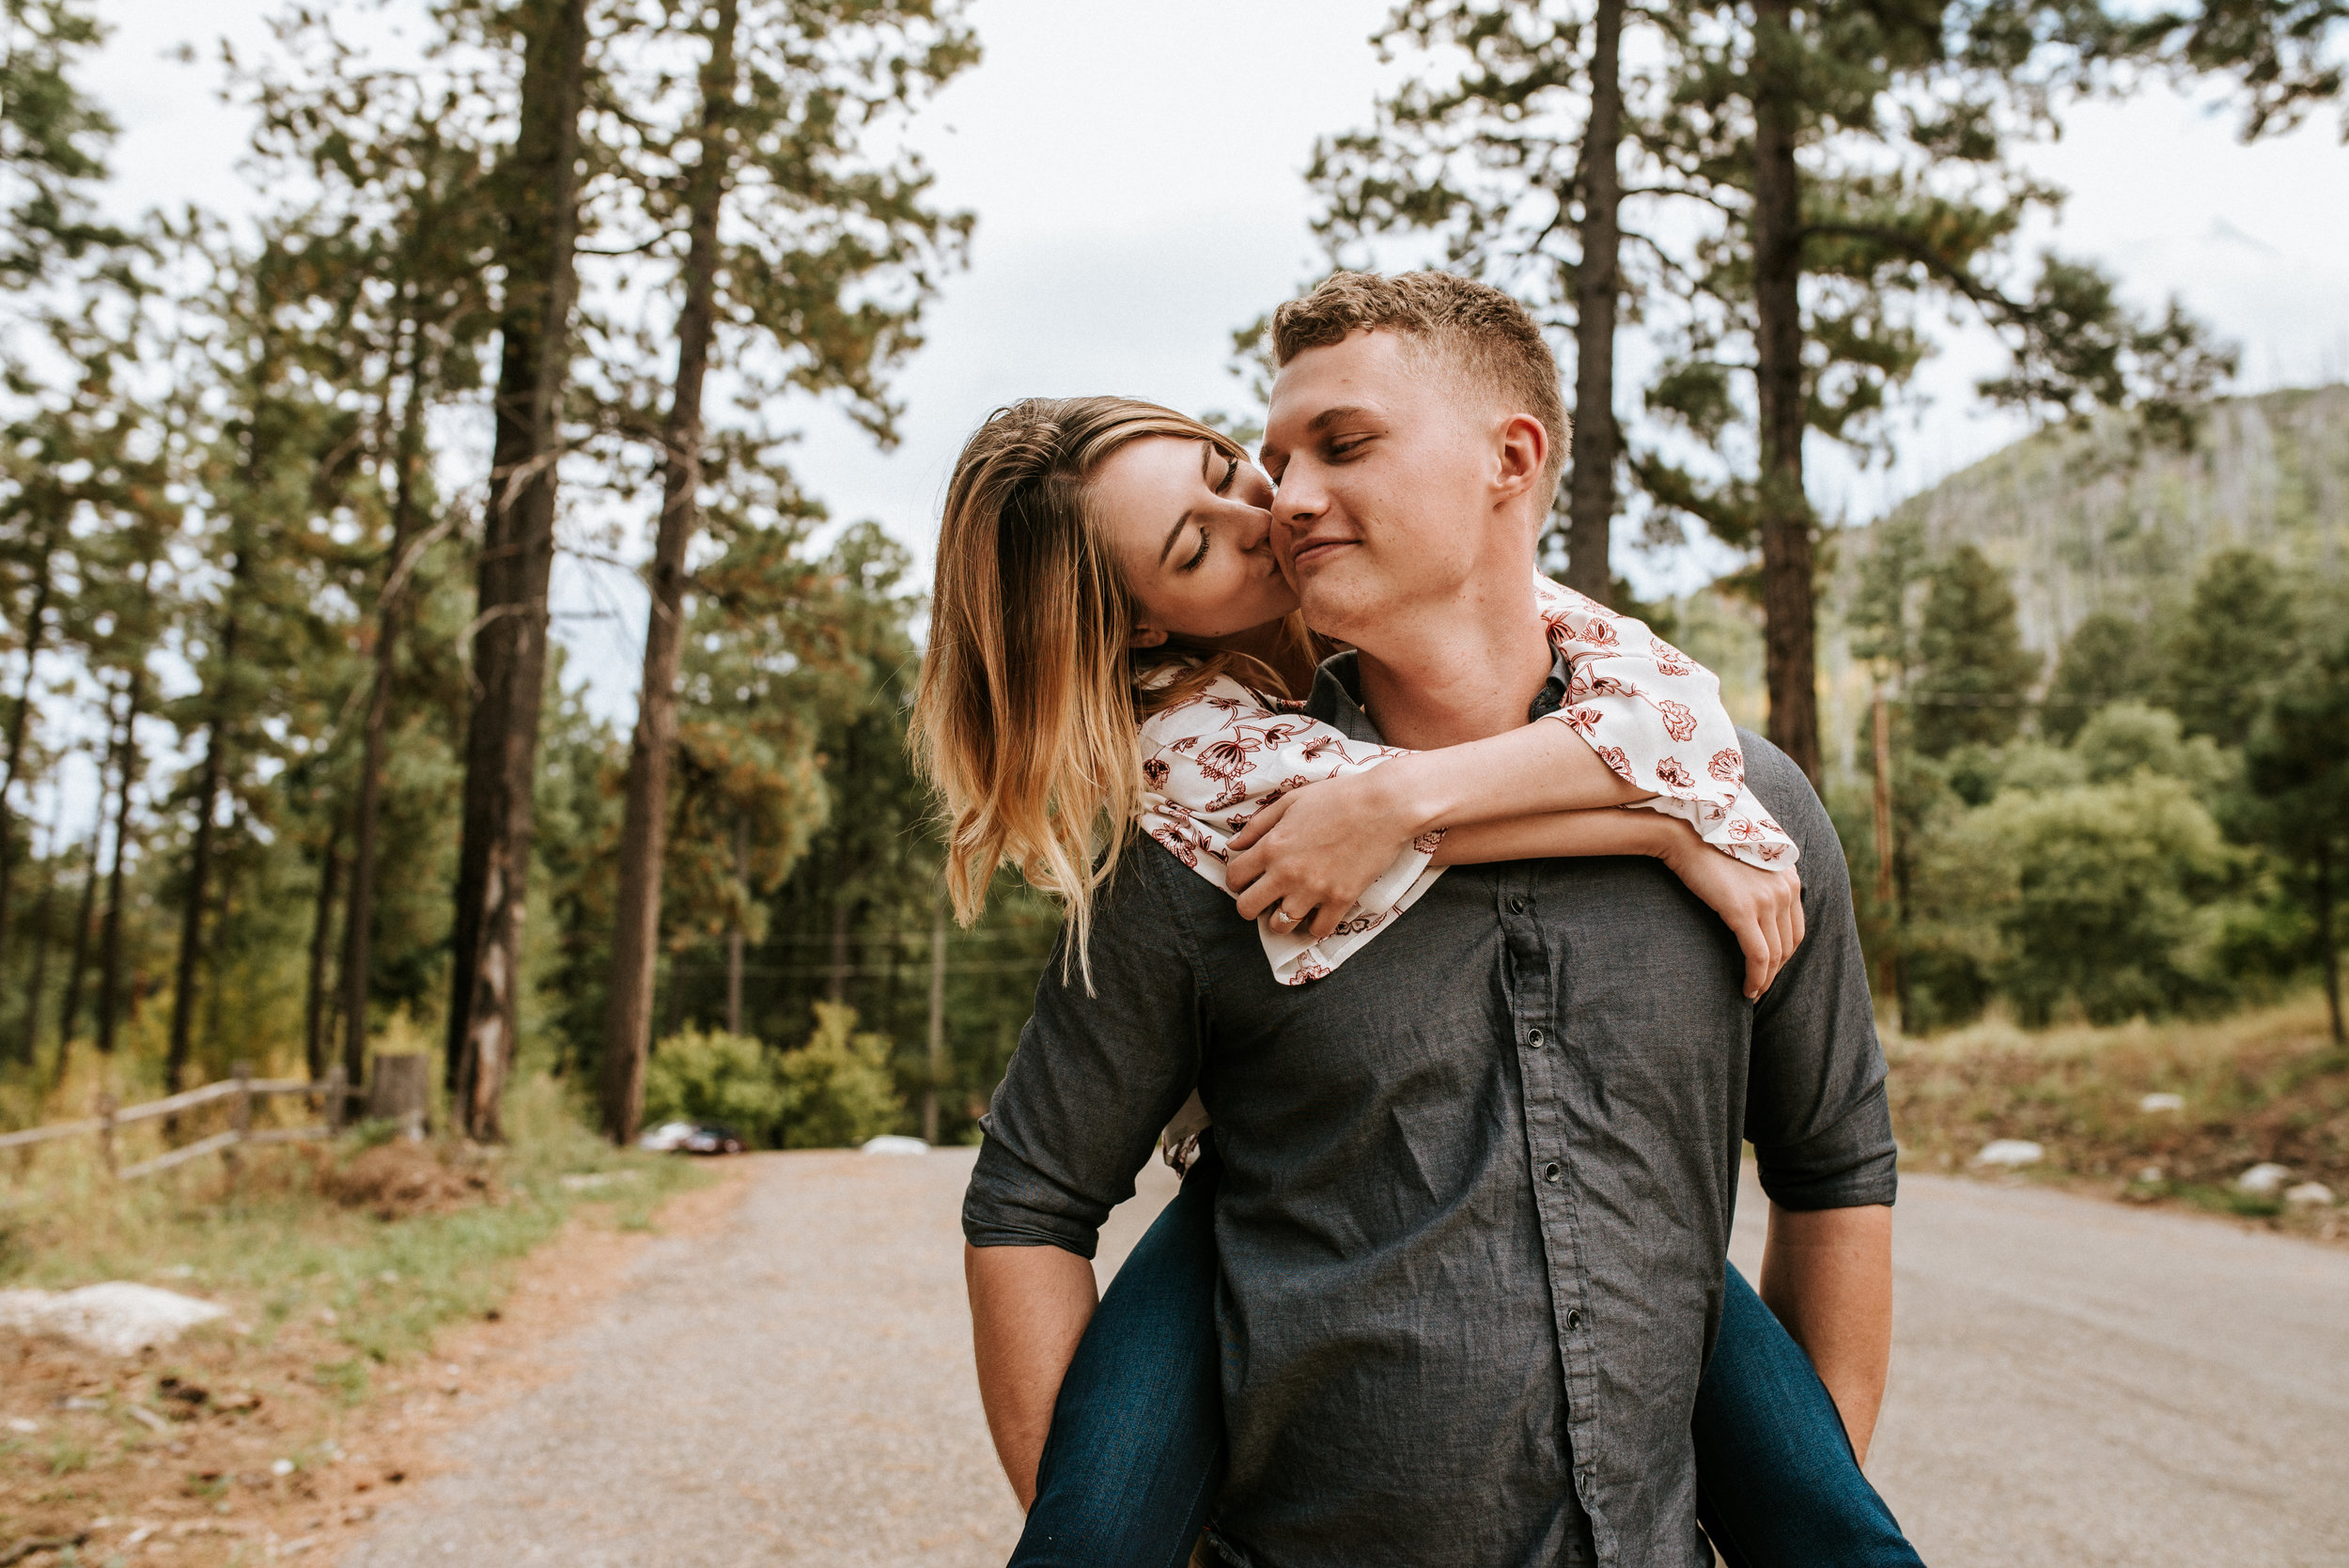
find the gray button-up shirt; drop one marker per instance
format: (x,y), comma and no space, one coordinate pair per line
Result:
(1477,1183)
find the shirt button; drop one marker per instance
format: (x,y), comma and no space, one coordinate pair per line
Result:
(1516,906)
(1533,1038)
(1573,1319)
(1549,1171)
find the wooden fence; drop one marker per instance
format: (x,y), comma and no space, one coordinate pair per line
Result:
(240,1091)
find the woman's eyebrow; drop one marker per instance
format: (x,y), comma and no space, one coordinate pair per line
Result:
(1206,476)
(1172,535)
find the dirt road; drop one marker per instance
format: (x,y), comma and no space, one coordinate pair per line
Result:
(2075,1384)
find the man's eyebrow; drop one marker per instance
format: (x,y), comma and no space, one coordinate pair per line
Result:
(1328,417)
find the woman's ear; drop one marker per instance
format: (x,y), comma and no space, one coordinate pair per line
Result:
(1146,637)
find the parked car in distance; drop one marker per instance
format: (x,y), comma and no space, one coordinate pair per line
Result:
(692,1138)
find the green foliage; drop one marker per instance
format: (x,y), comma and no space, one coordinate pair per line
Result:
(2296,779)
(2099,895)
(2107,659)
(714,1077)
(839,1085)
(2232,646)
(1972,670)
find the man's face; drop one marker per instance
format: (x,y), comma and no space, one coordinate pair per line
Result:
(1384,473)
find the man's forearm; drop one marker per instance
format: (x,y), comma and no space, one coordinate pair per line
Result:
(1828,1275)
(1029,1306)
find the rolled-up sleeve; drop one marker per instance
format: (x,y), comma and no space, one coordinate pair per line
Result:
(1098,1071)
(1817,1112)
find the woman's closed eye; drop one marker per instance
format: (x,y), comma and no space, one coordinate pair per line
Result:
(1231,471)
(1198,555)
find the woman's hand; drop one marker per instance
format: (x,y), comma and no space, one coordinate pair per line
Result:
(1763,909)
(1313,851)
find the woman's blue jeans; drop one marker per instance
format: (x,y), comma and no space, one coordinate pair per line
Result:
(1136,1448)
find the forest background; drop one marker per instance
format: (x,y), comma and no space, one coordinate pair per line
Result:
(283,493)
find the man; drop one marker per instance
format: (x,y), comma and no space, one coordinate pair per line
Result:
(1477,1185)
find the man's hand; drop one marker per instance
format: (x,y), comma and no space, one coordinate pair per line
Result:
(1029,1306)
(1311,852)
(1827,1276)
(1761,908)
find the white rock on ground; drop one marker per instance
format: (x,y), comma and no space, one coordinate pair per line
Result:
(2263,1180)
(2161,1102)
(117,1318)
(2012,1153)
(894,1143)
(2316,1195)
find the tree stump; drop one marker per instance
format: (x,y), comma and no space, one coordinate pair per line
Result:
(401,1092)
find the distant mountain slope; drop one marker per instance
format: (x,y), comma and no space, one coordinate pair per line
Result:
(2085,524)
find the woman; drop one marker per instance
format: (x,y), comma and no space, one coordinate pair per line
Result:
(1068,617)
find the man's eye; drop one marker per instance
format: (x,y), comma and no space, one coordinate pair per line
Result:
(1231,473)
(1340,450)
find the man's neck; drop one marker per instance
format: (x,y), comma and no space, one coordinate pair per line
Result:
(1460,672)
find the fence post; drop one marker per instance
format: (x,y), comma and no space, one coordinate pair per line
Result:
(105,1109)
(338,1097)
(240,1119)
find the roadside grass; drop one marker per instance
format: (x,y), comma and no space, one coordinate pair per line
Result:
(329,1304)
(2267,1085)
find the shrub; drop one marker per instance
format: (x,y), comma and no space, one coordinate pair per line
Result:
(839,1087)
(731,1079)
(2103,896)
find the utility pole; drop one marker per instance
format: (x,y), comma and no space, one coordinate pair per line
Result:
(1888,981)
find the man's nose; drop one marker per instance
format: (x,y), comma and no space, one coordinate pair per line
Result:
(1300,499)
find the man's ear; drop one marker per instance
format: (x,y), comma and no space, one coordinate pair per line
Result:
(1524,450)
(1146,637)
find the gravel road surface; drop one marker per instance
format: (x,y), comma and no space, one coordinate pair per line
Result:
(2076,1383)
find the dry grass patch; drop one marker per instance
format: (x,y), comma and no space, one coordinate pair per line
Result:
(2262,1086)
(368,1289)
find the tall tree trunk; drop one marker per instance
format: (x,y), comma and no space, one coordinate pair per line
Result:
(39,981)
(540,202)
(1790,662)
(69,1010)
(636,929)
(110,960)
(1598,283)
(359,922)
(35,624)
(192,910)
(733,937)
(200,849)
(2327,946)
(316,1034)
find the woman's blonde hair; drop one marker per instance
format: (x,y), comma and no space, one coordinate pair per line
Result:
(1025,717)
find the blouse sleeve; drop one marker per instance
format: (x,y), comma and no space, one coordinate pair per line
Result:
(1212,762)
(1655,717)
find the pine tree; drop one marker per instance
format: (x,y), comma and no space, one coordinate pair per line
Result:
(785,101)
(2296,774)
(54,141)
(1972,670)
(537,203)
(2108,659)
(2232,646)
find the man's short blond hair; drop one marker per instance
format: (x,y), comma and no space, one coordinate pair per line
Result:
(1476,331)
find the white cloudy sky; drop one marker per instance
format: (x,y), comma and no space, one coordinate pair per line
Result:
(1136,172)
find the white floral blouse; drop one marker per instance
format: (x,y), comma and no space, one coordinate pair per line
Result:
(1653,714)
